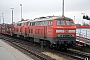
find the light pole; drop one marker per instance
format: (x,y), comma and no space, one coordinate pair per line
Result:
(82,19)
(63,9)
(12,15)
(21,11)
(3,17)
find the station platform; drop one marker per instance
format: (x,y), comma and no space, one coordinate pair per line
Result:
(7,52)
(83,41)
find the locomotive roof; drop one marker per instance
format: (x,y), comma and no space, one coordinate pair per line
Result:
(50,18)
(22,21)
(46,18)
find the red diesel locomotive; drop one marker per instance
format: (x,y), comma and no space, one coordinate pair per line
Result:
(53,31)
(20,29)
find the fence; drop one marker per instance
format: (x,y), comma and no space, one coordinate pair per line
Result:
(83,33)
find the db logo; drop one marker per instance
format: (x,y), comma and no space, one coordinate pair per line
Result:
(66,30)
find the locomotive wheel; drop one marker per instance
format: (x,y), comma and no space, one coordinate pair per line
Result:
(51,46)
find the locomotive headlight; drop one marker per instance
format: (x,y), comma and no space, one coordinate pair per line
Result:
(72,35)
(59,35)
(71,31)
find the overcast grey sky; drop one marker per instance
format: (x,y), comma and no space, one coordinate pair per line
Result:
(37,8)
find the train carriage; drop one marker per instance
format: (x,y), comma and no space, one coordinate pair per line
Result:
(6,29)
(0,29)
(3,28)
(10,30)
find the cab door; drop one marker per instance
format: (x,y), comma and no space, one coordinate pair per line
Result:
(45,31)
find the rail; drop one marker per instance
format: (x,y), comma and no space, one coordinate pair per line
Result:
(25,46)
(22,45)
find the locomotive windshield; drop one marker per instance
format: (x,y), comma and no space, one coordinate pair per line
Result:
(69,22)
(65,22)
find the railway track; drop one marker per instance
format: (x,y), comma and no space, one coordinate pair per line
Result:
(37,53)
(78,55)
(75,54)
(26,48)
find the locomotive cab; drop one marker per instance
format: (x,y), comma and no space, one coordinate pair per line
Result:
(65,33)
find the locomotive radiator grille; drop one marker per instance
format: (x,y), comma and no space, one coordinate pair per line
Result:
(65,35)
